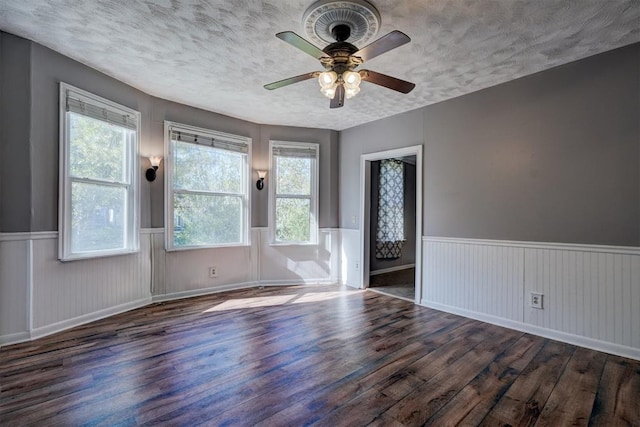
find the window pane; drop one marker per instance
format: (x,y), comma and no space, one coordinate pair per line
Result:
(201,168)
(207,220)
(98,217)
(292,219)
(97,149)
(294,175)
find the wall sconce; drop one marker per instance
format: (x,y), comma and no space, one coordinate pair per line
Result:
(260,181)
(150,174)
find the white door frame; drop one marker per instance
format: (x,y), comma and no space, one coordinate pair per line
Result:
(365,208)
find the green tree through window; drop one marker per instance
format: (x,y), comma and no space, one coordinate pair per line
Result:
(208,188)
(98,201)
(295,193)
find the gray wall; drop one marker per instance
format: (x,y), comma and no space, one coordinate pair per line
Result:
(48,69)
(15,167)
(402,130)
(552,157)
(29,81)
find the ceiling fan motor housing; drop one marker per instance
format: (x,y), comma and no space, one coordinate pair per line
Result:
(341,32)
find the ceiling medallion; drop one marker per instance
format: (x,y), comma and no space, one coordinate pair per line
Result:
(361,16)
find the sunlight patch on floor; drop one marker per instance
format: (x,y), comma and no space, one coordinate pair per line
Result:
(268,301)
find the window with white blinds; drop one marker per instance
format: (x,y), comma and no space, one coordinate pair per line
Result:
(207,188)
(294,192)
(98,207)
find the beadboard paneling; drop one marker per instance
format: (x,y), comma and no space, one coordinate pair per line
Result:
(300,263)
(350,258)
(189,270)
(158,262)
(591,294)
(68,290)
(14,287)
(480,278)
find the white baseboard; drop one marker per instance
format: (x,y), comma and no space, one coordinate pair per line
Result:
(203,291)
(607,347)
(289,282)
(14,338)
(87,318)
(391,269)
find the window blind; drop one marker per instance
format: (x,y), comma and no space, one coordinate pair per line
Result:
(210,141)
(98,112)
(297,151)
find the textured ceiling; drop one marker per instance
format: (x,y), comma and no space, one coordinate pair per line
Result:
(217,55)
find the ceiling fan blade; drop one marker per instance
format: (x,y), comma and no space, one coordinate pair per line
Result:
(338,98)
(290,80)
(384,44)
(297,41)
(387,81)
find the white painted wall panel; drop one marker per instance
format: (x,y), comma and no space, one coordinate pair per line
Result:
(189,270)
(350,263)
(14,298)
(298,263)
(158,262)
(64,291)
(479,278)
(591,294)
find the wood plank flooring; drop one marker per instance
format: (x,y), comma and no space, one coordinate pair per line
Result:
(322,355)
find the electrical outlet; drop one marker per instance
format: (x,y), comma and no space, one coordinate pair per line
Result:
(357,266)
(213,272)
(535,300)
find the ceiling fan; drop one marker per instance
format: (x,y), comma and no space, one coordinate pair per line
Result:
(340,59)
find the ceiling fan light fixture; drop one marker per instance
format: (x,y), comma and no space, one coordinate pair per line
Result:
(329,91)
(350,92)
(351,79)
(327,79)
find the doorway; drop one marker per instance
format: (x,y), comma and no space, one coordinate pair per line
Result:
(391,260)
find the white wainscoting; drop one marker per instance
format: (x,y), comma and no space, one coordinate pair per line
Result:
(68,293)
(591,292)
(350,262)
(479,278)
(286,264)
(15,310)
(40,295)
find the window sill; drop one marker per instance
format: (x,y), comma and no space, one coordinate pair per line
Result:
(97,254)
(293,244)
(191,248)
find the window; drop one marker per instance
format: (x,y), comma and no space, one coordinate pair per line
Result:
(294,193)
(207,188)
(98,184)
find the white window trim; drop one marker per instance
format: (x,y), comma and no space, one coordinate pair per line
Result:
(168,185)
(313,225)
(64,182)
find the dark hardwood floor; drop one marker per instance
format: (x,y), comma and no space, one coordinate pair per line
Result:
(296,356)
